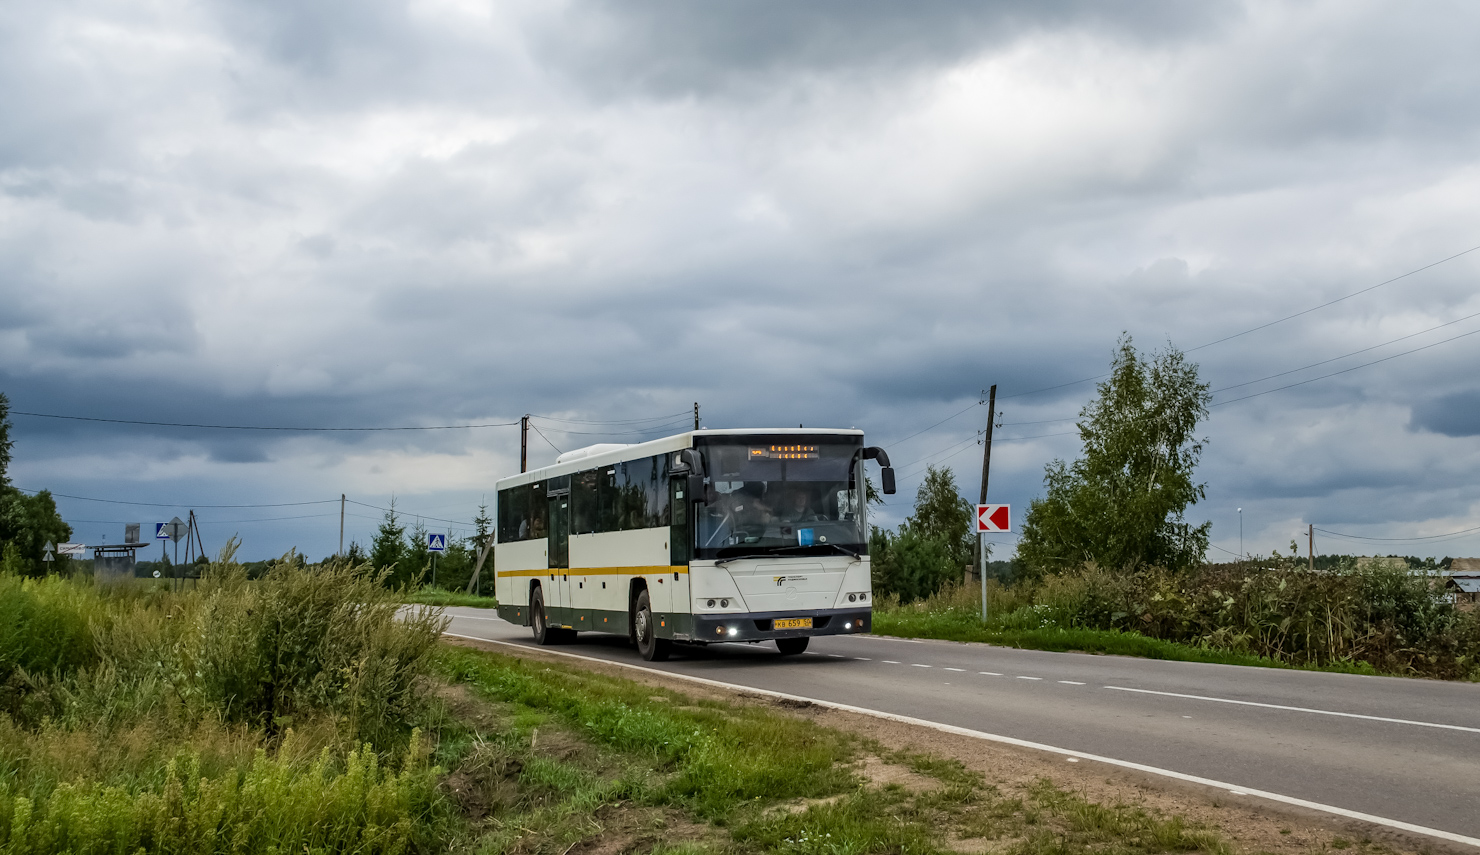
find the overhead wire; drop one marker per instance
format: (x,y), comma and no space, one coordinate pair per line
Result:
(1397,539)
(1353,353)
(1345,370)
(259,427)
(181,504)
(545,438)
(1263,326)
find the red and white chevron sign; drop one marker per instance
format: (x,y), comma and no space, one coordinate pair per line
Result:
(993,518)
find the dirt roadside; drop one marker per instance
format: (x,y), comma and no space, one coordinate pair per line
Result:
(1252,824)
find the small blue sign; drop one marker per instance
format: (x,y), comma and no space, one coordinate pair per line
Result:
(161,531)
(805,537)
(437,542)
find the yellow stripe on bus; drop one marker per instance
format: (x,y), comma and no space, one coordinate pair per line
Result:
(598,571)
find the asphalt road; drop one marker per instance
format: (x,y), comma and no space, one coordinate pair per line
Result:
(1404,750)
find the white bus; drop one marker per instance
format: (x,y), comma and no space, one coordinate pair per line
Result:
(707,536)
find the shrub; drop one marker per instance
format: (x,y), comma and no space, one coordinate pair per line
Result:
(277,804)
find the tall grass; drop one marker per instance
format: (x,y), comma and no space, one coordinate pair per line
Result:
(240,716)
(276,804)
(1352,618)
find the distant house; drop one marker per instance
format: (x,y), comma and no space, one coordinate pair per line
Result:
(1464,580)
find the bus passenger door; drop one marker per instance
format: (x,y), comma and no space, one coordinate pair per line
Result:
(680,537)
(557,591)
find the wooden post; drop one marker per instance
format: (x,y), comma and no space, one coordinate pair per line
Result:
(524,443)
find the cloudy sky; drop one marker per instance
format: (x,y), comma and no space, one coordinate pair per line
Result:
(397,214)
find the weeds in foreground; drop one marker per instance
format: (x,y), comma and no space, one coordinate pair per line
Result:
(270,715)
(439,597)
(599,763)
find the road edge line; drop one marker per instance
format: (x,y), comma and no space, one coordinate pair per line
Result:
(1010,740)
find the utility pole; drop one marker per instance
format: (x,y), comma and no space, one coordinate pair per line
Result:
(524,443)
(981,538)
(341,525)
(696,415)
(1310,532)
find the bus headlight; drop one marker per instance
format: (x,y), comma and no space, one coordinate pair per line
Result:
(848,625)
(724,604)
(710,604)
(734,631)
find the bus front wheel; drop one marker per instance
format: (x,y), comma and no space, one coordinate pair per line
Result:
(792,646)
(652,648)
(540,623)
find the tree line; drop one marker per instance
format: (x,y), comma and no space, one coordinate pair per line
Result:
(27,523)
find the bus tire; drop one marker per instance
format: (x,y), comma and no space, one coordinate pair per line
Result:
(792,646)
(543,632)
(652,648)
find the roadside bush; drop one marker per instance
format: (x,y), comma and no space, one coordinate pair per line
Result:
(1385,616)
(277,804)
(46,625)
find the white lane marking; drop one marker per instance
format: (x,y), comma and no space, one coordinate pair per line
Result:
(890,662)
(863,659)
(1009,740)
(1029,678)
(1071,682)
(918,665)
(472,617)
(837,656)
(813,653)
(962,670)
(1300,709)
(989,673)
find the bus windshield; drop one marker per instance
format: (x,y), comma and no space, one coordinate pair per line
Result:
(785,495)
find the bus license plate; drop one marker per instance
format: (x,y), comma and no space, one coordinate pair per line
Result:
(792,623)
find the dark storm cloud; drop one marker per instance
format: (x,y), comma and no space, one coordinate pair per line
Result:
(1451,415)
(675,49)
(841,213)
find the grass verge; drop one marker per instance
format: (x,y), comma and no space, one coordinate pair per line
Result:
(438,597)
(549,758)
(958,625)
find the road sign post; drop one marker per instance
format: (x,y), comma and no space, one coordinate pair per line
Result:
(436,544)
(989,518)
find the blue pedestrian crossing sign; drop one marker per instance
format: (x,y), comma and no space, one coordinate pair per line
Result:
(437,542)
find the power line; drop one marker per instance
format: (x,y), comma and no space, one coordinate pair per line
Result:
(545,438)
(1346,370)
(208,522)
(1396,539)
(1337,300)
(934,426)
(181,504)
(1269,324)
(685,414)
(404,513)
(297,429)
(655,428)
(258,427)
(1345,355)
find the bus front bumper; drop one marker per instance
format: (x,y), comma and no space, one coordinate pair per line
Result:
(762,626)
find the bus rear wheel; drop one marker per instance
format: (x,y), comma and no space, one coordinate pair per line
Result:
(652,648)
(792,646)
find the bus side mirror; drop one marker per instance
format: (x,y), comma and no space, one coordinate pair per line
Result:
(692,465)
(874,452)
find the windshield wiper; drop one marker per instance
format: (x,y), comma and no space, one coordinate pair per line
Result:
(785,550)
